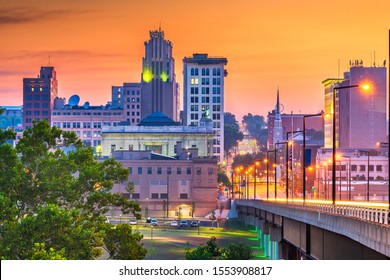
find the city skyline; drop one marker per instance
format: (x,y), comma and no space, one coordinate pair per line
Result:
(290,45)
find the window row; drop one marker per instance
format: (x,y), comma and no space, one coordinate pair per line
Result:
(37,97)
(168,170)
(205,99)
(154,195)
(205,90)
(86,114)
(205,71)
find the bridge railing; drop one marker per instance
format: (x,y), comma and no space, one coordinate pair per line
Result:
(375,215)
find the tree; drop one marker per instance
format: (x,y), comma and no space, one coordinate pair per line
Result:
(256,127)
(236,251)
(223,179)
(211,251)
(230,118)
(232,132)
(55,198)
(6,135)
(231,137)
(122,244)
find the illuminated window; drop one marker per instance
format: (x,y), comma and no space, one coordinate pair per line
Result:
(194,81)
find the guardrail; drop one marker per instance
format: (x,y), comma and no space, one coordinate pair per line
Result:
(375,215)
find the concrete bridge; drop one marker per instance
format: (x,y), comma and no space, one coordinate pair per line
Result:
(317,231)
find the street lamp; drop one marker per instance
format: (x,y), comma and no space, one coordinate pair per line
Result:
(304,152)
(290,143)
(278,143)
(255,173)
(334,136)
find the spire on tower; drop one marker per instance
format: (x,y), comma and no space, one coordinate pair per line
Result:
(277,108)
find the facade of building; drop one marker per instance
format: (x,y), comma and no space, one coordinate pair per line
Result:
(159,136)
(360,174)
(38,96)
(11,117)
(291,122)
(86,121)
(179,187)
(361,121)
(160,92)
(204,95)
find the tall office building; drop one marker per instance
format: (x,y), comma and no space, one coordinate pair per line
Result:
(38,96)
(160,92)
(204,95)
(360,115)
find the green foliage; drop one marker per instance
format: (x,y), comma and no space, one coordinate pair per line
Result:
(211,251)
(122,244)
(256,127)
(56,199)
(236,251)
(232,132)
(223,179)
(230,119)
(231,136)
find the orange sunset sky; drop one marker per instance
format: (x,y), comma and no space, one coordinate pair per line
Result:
(293,45)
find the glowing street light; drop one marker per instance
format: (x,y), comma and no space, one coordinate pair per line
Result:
(365,87)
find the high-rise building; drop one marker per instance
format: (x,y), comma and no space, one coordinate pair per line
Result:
(360,115)
(160,92)
(204,95)
(38,96)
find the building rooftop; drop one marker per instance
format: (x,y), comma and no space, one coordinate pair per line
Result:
(204,59)
(158,119)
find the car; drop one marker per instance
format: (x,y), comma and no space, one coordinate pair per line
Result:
(183,223)
(148,220)
(133,222)
(194,223)
(174,224)
(154,222)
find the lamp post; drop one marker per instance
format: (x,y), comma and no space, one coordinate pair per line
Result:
(304,152)
(168,173)
(279,143)
(287,160)
(255,175)
(269,151)
(334,138)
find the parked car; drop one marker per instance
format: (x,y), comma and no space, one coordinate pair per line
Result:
(154,222)
(183,223)
(174,224)
(194,223)
(133,222)
(149,220)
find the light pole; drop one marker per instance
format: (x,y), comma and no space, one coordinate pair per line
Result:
(304,152)
(255,175)
(334,137)
(281,143)
(287,159)
(168,173)
(269,151)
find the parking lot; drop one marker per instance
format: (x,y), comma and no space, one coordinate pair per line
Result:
(165,242)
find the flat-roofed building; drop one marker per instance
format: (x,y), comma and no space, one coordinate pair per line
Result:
(170,186)
(159,134)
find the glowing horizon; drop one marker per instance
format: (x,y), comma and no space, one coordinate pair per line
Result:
(94,45)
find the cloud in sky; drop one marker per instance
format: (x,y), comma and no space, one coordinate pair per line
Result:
(21,15)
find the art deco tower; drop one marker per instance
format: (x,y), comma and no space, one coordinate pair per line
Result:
(159,90)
